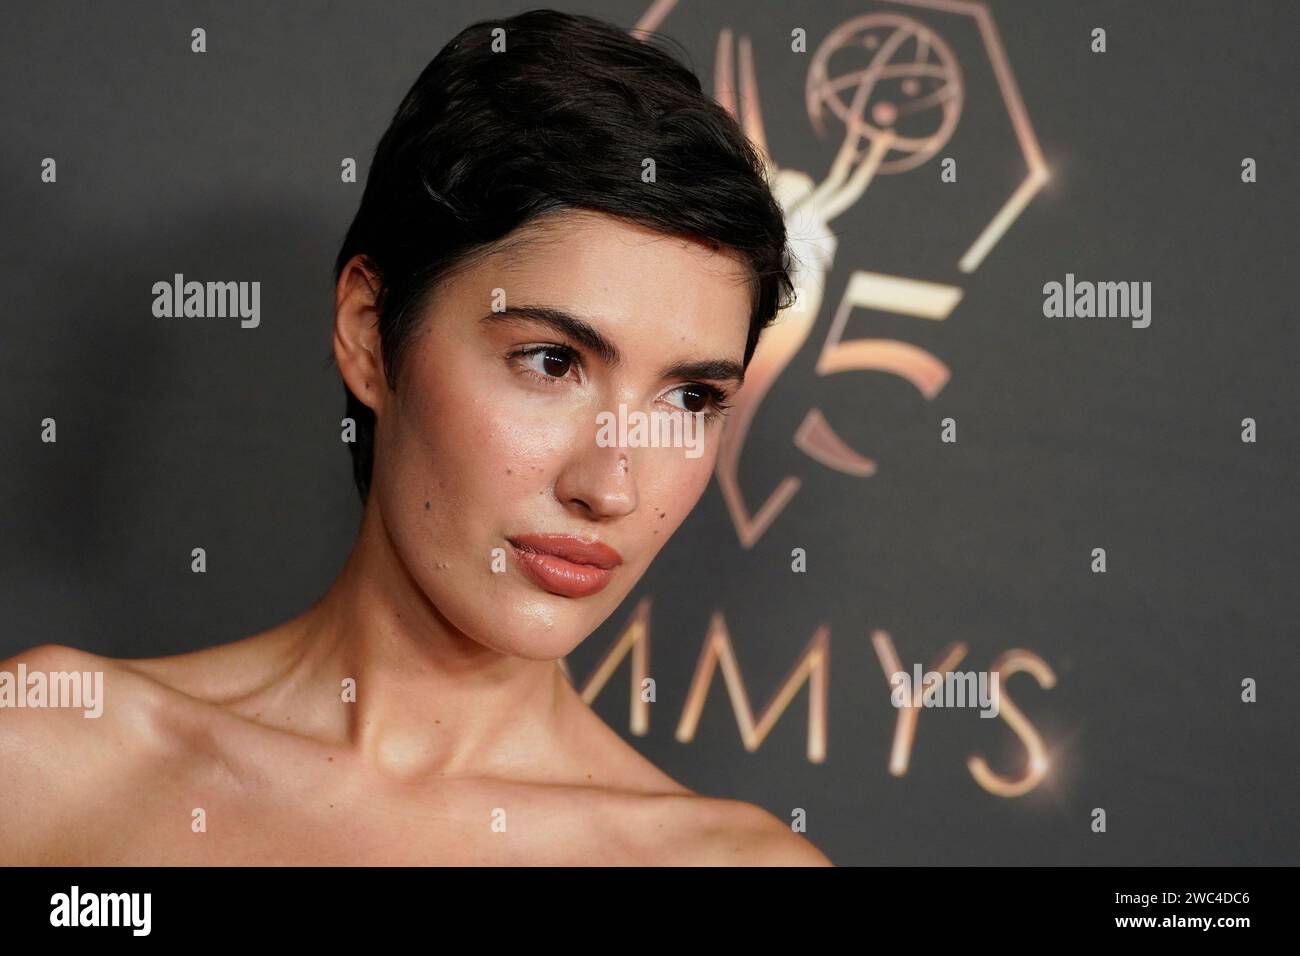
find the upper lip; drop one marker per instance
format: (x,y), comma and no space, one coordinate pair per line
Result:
(571,548)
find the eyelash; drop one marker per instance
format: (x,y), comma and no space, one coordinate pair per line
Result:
(717,397)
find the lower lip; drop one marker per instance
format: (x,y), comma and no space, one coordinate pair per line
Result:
(562,577)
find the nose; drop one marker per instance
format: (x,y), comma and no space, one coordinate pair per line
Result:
(599,484)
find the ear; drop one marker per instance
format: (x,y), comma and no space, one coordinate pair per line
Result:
(356,334)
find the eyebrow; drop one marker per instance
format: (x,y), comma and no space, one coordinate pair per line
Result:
(590,338)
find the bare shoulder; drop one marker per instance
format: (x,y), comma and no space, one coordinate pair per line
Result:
(666,823)
(709,831)
(751,836)
(50,693)
(70,723)
(57,701)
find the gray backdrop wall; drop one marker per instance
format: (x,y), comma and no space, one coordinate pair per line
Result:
(1073,433)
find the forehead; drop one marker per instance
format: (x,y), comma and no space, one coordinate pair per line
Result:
(638,285)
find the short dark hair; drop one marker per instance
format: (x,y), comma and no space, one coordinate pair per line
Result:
(486,141)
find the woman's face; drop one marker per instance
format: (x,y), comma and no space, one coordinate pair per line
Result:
(494,435)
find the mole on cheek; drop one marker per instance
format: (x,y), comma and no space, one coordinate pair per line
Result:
(426,506)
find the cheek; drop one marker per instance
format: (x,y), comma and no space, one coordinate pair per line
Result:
(672,486)
(481,461)
(479,457)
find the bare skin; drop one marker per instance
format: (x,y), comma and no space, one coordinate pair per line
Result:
(465,744)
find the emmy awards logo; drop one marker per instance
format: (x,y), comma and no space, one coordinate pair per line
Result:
(906,90)
(891,88)
(895,89)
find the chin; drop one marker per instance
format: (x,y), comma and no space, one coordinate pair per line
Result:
(540,629)
(539,645)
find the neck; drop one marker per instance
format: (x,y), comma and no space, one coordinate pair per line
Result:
(428,699)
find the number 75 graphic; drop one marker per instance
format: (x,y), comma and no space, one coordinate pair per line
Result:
(815,436)
(809,207)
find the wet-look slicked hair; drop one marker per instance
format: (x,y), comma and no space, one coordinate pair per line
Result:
(562,118)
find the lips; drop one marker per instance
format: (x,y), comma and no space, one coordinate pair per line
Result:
(565,564)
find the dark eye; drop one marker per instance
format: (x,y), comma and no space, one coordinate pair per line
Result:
(548,362)
(556,363)
(695,398)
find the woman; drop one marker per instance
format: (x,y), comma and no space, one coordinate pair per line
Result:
(556,225)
